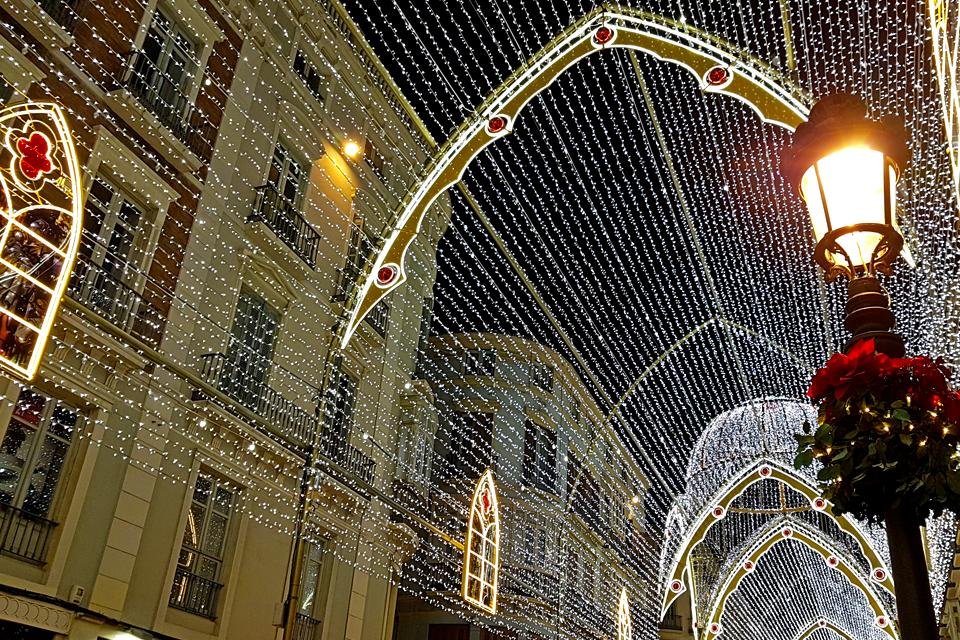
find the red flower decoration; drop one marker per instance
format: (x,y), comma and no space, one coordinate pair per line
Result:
(34,155)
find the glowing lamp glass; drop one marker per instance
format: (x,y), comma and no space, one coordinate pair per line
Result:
(846,188)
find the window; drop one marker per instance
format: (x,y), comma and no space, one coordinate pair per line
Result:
(250,353)
(33,452)
(6,91)
(165,67)
(423,341)
(339,409)
(479,362)
(469,444)
(374,159)
(288,175)
(542,377)
(310,587)
(200,563)
(110,239)
(359,251)
(540,457)
(315,81)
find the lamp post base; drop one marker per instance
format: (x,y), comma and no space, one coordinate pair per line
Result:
(915,614)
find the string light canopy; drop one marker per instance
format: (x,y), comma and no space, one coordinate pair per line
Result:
(647,215)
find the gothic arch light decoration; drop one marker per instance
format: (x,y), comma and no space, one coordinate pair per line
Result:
(823,623)
(481,552)
(624,625)
(717,65)
(41,216)
(679,578)
(792,529)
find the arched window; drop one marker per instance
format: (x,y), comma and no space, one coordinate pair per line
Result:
(624,626)
(481,553)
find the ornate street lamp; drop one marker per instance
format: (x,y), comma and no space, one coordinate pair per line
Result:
(846,167)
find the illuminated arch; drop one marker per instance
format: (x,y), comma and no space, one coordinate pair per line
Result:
(481,552)
(718,66)
(793,529)
(823,623)
(624,624)
(679,579)
(41,219)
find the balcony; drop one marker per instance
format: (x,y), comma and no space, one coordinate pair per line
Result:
(63,12)
(306,628)
(287,223)
(379,318)
(104,293)
(672,621)
(242,378)
(23,534)
(194,594)
(349,457)
(168,102)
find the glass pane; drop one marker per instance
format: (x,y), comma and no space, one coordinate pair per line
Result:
(63,422)
(29,407)
(216,535)
(193,532)
(201,492)
(43,482)
(130,214)
(187,558)
(14,451)
(207,568)
(311,576)
(223,501)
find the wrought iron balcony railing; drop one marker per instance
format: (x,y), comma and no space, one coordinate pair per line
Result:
(242,378)
(286,221)
(99,290)
(166,100)
(672,621)
(64,12)
(379,318)
(194,594)
(349,457)
(306,628)
(24,534)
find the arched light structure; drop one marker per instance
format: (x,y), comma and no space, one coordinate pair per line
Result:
(779,531)
(823,623)
(679,578)
(481,551)
(41,217)
(717,65)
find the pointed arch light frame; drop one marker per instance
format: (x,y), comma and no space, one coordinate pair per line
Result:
(481,550)
(41,221)
(784,530)
(679,579)
(624,623)
(717,65)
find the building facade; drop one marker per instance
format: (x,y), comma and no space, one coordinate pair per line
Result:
(191,433)
(570,494)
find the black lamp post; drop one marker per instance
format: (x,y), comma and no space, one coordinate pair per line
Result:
(846,167)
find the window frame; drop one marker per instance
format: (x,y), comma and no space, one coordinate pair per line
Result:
(291,158)
(227,544)
(41,431)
